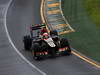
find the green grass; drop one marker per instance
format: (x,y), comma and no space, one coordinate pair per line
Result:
(86,39)
(93,8)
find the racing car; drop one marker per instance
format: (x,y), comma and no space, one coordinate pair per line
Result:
(45,44)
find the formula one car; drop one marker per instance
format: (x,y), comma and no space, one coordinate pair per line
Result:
(45,44)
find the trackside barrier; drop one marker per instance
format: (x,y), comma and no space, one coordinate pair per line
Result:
(54,17)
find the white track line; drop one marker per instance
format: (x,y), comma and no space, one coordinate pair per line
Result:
(18,52)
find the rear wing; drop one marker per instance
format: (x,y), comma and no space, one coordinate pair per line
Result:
(37,27)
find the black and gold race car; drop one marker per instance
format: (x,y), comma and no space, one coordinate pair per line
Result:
(45,44)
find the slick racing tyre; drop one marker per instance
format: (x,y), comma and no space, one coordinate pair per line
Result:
(64,43)
(36,48)
(27,42)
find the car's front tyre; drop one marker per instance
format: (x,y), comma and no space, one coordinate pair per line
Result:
(64,43)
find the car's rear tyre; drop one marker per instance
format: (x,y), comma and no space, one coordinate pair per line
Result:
(64,43)
(27,42)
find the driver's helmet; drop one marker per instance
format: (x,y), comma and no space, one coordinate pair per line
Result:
(45,35)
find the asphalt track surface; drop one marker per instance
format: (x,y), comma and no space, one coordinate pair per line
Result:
(10,62)
(21,14)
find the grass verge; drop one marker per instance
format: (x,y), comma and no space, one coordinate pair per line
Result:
(93,8)
(82,16)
